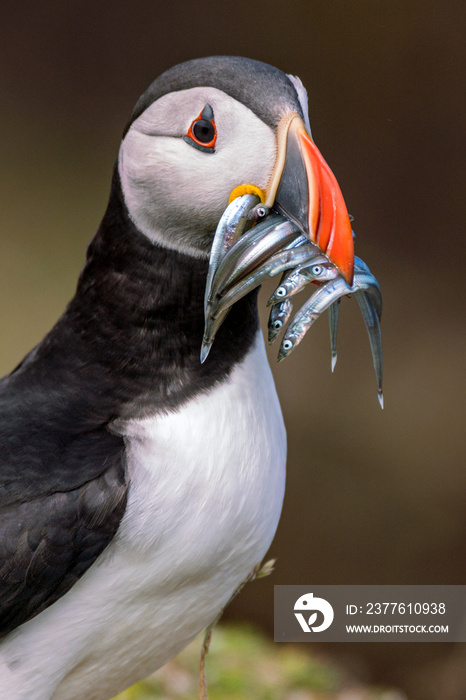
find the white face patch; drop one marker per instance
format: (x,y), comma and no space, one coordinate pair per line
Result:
(175,193)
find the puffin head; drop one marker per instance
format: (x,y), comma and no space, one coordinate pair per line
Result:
(213,126)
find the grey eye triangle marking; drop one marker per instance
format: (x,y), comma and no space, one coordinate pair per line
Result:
(207,113)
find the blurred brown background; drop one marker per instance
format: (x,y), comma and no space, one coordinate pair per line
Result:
(372,496)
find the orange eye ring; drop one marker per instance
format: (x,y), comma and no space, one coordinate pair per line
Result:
(202,134)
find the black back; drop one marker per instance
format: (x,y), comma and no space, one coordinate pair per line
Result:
(127,345)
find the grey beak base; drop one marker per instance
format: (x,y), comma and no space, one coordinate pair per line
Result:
(292,198)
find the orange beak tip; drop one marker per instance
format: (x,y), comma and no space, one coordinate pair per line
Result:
(306,190)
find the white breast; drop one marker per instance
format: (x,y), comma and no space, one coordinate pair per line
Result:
(206,490)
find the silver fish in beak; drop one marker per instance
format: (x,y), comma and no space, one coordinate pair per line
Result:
(320,270)
(367,292)
(255,247)
(230,227)
(302,231)
(278,318)
(333,315)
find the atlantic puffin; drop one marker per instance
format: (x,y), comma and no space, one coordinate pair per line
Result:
(141,486)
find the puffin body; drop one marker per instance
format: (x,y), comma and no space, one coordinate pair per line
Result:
(206,488)
(140,486)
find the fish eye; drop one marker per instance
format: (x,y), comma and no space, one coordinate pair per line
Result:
(317,270)
(277,325)
(287,344)
(281,292)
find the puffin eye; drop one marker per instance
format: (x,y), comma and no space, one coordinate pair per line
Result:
(202,133)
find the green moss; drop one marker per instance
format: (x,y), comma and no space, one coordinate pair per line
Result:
(243,664)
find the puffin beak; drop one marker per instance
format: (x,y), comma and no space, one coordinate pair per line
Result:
(304,189)
(300,218)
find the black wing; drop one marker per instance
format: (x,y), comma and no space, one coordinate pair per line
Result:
(62,494)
